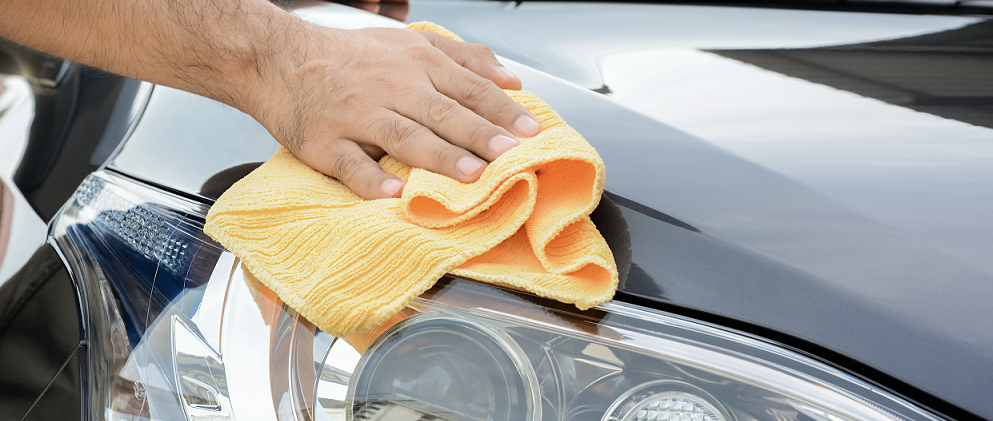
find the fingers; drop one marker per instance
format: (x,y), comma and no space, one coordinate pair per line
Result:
(349,163)
(477,58)
(458,125)
(438,107)
(417,146)
(484,98)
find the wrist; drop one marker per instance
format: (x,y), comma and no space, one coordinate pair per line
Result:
(259,59)
(277,88)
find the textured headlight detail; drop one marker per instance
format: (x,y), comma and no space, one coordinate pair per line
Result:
(672,407)
(657,401)
(150,360)
(620,362)
(210,342)
(144,229)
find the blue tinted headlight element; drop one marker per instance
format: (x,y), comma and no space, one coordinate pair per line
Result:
(150,246)
(139,257)
(145,227)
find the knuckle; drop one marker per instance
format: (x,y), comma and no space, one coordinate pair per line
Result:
(396,138)
(511,110)
(446,155)
(480,137)
(389,81)
(438,110)
(345,166)
(474,89)
(479,50)
(476,63)
(423,52)
(352,100)
(386,131)
(406,137)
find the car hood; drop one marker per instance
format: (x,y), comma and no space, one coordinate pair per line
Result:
(825,175)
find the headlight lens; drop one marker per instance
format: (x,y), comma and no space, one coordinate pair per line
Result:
(206,341)
(445,365)
(620,362)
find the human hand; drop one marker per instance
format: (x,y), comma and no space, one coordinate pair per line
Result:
(338,99)
(343,98)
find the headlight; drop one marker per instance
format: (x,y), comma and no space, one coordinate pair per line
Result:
(443,364)
(200,339)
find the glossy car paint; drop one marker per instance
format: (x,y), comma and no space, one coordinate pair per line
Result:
(833,216)
(56,127)
(40,341)
(852,223)
(40,327)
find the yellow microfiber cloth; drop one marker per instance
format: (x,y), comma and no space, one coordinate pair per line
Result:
(349,264)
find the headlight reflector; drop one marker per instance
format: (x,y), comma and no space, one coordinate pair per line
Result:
(210,342)
(444,365)
(657,401)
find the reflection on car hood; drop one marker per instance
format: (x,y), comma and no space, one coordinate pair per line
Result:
(823,174)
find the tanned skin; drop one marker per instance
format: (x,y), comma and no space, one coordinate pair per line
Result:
(338,99)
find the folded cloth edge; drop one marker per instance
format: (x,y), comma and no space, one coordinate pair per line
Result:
(373,318)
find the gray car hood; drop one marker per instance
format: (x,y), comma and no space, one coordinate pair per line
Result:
(825,175)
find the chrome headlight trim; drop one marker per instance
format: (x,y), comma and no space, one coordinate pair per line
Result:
(798,372)
(111,224)
(801,383)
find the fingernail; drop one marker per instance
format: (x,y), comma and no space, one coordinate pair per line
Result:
(391,187)
(469,165)
(527,126)
(501,144)
(507,73)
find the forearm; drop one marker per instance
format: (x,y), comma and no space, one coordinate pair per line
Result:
(339,99)
(222,49)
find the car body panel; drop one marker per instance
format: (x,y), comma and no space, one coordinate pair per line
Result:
(850,251)
(842,218)
(54,131)
(40,325)
(40,340)
(881,240)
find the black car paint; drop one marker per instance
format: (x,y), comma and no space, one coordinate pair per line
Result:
(80,117)
(781,249)
(684,255)
(76,128)
(40,341)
